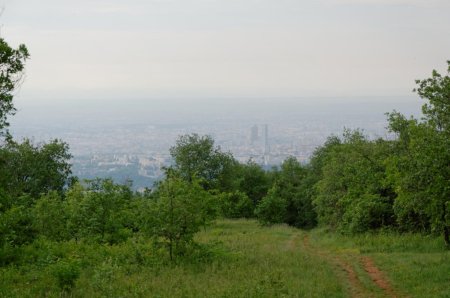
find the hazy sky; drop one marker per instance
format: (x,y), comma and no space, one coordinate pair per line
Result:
(225,48)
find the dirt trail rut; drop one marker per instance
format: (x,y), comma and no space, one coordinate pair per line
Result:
(377,276)
(356,287)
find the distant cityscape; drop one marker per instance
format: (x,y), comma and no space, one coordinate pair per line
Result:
(136,148)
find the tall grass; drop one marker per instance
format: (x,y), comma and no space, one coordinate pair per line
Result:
(417,265)
(235,258)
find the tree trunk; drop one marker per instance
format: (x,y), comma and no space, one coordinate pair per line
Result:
(446,227)
(447,236)
(170,248)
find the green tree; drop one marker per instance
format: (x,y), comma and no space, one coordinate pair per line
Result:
(289,179)
(436,90)
(436,157)
(352,194)
(75,207)
(253,181)
(420,169)
(236,205)
(175,214)
(99,212)
(196,156)
(49,217)
(16,226)
(12,63)
(288,200)
(31,169)
(272,208)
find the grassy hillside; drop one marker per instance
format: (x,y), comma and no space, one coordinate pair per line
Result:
(244,260)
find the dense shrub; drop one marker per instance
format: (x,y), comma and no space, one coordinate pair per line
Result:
(236,205)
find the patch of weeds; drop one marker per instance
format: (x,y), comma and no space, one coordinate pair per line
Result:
(66,273)
(104,276)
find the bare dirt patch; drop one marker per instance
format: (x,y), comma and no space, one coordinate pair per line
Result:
(291,244)
(356,287)
(378,276)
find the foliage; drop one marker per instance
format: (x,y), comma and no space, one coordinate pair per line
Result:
(246,261)
(99,212)
(50,217)
(253,181)
(66,273)
(177,213)
(420,170)
(236,205)
(288,200)
(12,63)
(196,156)
(16,227)
(272,208)
(436,90)
(26,168)
(352,194)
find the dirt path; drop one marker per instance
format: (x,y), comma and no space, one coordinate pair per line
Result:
(356,286)
(291,244)
(377,276)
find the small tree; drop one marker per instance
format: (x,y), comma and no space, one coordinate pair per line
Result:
(49,217)
(175,215)
(99,212)
(253,181)
(272,208)
(236,205)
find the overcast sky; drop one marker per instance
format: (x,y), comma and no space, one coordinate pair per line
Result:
(226,48)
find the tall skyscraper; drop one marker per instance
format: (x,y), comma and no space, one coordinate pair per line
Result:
(254,134)
(266,140)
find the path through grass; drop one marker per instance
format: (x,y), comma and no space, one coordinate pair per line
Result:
(247,261)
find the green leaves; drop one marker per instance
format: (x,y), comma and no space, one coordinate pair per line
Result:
(272,208)
(420,170)
(437,91)
(12,63)
(352,194)
(196,156)
(288,200)
(26,168)
(176,213)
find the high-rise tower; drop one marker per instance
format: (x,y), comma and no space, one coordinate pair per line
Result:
(254,134)
(266,140)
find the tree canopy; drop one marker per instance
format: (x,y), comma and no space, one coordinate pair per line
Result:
(197,156)
(12,65)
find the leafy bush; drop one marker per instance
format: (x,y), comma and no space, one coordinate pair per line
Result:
(177,213)
(272,208)
(66,273)
(236,205)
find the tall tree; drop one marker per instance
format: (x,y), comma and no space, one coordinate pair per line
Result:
(253,181)
(421,169)
(196,156)
(352,195)
(12,63)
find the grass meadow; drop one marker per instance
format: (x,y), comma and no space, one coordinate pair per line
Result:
(236,258)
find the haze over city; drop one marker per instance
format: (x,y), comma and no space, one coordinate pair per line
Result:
(120,81)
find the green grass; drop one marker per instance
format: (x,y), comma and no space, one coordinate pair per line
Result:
(238,258)
(416,265)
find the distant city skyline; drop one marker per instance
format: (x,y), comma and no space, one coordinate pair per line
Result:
(131,139)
